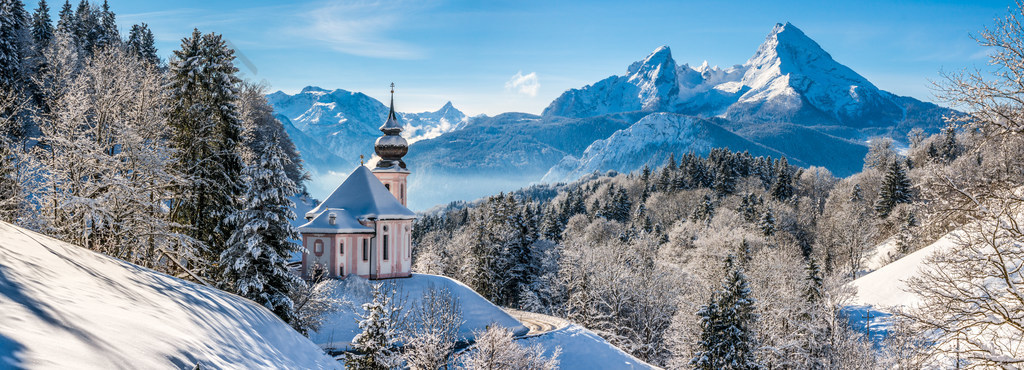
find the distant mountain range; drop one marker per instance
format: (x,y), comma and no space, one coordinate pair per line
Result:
(791,98)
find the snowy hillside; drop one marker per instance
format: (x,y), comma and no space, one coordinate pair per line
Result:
(582,349)
(62,306)
(886,286)
(650,141)
(477,312)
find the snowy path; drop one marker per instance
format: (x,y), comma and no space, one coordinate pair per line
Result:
(537,323)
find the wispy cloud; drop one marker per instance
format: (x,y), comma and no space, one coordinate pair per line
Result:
(360,28)
(527,84)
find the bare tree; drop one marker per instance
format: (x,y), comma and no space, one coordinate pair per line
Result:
(495,349)
(433,325)
(314,301)
(972,306)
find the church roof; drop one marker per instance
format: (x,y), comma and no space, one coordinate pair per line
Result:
(364,197)
(343,223)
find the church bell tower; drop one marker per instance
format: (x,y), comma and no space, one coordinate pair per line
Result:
(391,147)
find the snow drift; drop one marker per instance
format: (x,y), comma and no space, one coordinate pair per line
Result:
(62,306)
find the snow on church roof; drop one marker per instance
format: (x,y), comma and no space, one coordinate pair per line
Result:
(343,223)
(364,197)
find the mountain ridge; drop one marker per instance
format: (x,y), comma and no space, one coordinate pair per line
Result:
(790,97)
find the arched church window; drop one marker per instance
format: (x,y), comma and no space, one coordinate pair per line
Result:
(385,247)
(387,186)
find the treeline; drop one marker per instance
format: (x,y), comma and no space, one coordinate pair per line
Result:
(178,166)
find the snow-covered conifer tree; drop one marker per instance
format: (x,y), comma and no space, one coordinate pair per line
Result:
(255,261)
(727,322)
(895,190)
(15,46)
(767,222)
(42,29)
(202,95)
(141,43)
(106,28)
(783,187)
(66,19)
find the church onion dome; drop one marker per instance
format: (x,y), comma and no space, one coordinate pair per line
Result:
(391,147)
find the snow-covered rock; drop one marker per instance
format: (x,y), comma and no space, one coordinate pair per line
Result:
(477,312)
(62,306)
(583,349)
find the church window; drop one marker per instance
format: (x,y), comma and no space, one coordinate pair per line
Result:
(387,186)
(341,248)
(318,247)
(385,247)
(341,270)
(366,249)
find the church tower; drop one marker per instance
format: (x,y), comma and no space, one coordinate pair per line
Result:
(390,148)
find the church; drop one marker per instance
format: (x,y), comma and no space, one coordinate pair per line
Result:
(364,227)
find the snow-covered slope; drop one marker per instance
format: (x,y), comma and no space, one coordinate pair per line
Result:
(583,349)
(650,141)
(477,312)
(62,306)
(887,287)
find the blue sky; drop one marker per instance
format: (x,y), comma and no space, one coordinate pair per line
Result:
(474,52)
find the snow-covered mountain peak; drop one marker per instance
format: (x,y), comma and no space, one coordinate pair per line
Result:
(310,89)
(792,77)
(658,59)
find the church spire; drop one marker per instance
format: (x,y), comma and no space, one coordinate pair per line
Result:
(391,126)
(392,146)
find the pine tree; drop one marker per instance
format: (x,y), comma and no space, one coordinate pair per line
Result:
(202,95)
(42,30)
(15,46)
(767,223)
(106,28)
(895,190)
(783,187)
(727,339)
(86,26)
(141,43)
(255,262)
(66,22)
(705,210)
